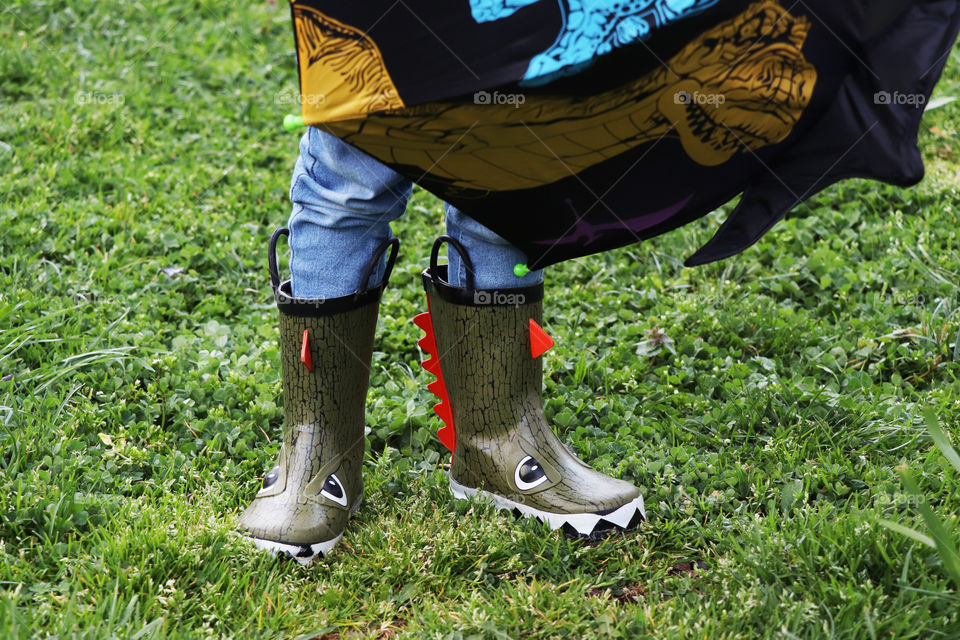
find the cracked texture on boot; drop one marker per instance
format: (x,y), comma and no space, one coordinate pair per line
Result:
(316,484)
(504,448)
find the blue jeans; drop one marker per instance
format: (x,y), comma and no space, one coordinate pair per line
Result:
(343,203)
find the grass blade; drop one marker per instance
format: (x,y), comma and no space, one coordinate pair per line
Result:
(940,533)
(940,101)
(907,531)
(940,438)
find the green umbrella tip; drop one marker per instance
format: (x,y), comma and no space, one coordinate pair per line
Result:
(292,122)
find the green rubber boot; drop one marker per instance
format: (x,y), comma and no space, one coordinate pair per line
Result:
(316,485)
(489,376)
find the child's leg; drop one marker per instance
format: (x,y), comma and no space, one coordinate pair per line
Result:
(493,257)
(343,203)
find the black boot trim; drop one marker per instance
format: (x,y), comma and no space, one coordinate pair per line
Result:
(435,278)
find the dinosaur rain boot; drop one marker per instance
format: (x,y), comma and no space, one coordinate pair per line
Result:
(486,347)
(326,346)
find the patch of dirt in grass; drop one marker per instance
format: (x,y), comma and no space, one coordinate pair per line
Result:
(386,631)
(688,569)
(629,594)
(632,593)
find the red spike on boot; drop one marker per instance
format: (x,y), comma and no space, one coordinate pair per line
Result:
(429,344)
(305,351)
(540,342)
(447,437)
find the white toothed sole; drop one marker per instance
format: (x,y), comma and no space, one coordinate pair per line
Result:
(302,553)
(582,523)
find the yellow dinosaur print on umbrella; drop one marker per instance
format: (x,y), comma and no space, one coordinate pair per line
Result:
(342,73)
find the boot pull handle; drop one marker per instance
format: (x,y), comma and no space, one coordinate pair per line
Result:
(272,256)
(464,256)
(393,244)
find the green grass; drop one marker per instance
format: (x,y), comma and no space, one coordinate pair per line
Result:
(144,407)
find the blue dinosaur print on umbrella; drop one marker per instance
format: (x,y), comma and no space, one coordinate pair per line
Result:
(490,10)
(590,28)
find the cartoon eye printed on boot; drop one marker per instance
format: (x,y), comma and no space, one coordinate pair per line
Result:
(270,479)
(333,490)
(529,474)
